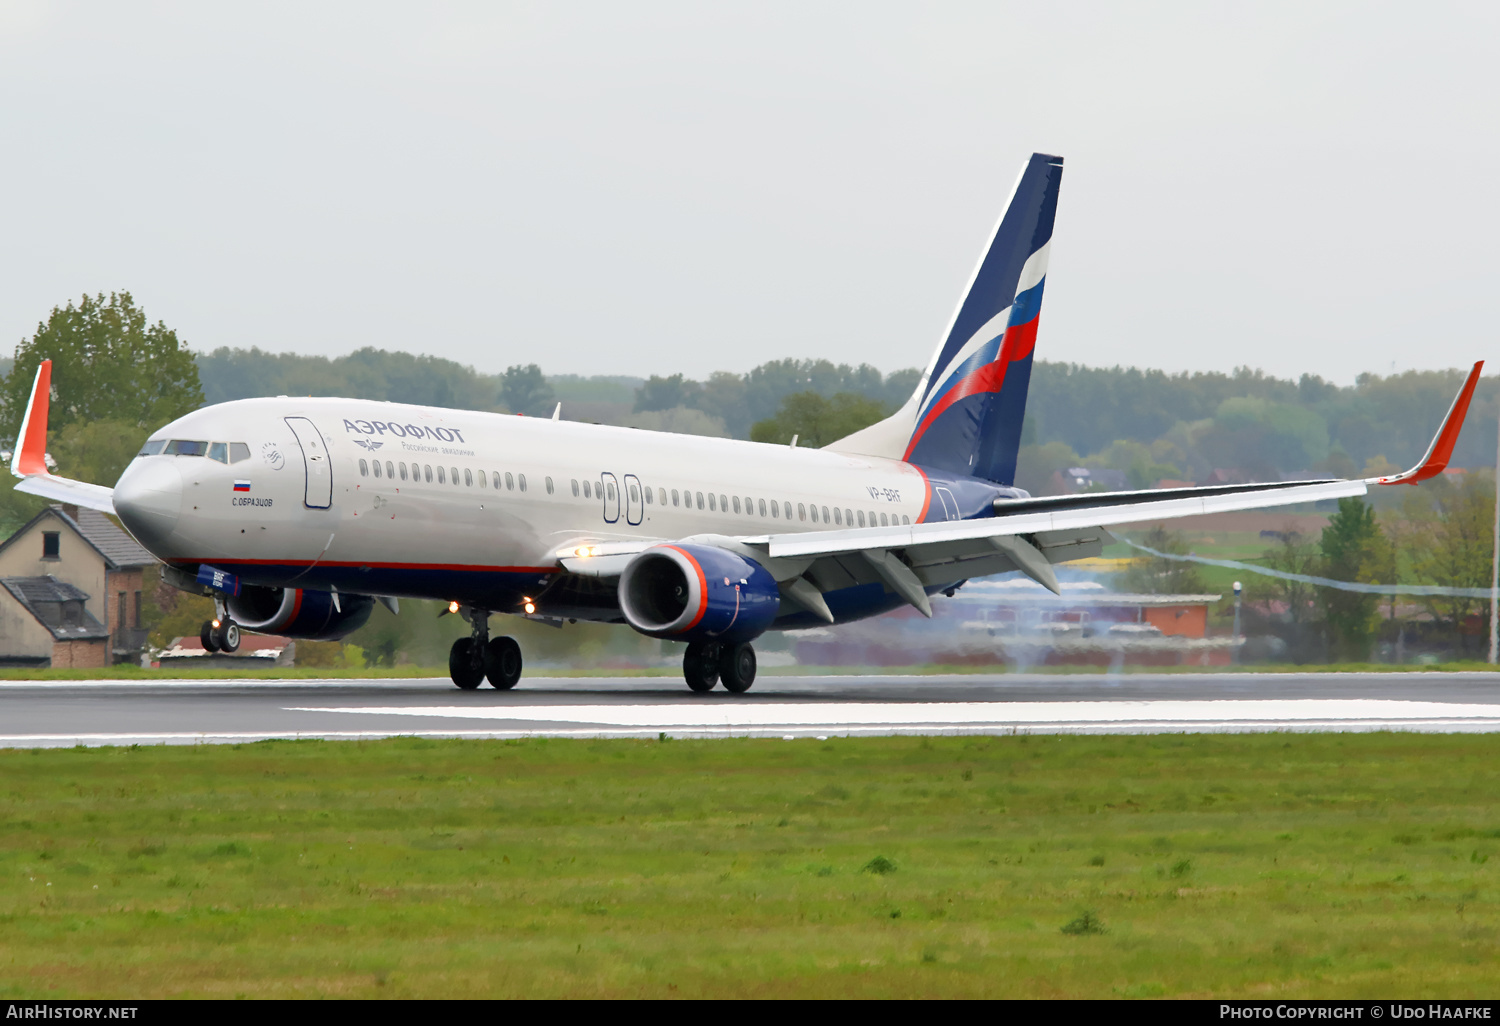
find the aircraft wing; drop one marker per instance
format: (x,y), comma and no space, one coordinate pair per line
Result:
(1028,535)
(30,461)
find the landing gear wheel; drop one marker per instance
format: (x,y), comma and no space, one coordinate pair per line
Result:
(206,635)
(466,664)
(502,663)
(227,636)
(700,665)
(737,667)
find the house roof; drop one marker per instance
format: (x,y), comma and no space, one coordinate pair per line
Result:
(44,597)
(118,550)
(114,544)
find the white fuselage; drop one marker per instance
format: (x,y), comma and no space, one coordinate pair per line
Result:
(463,498)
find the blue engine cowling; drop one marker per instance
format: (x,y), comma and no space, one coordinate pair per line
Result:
(298,612)
(697,592)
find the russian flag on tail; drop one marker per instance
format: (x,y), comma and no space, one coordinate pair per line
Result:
(970,412)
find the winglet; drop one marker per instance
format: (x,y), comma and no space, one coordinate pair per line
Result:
(1438,453)
(31,444)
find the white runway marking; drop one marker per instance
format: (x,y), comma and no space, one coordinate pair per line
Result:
(906,717)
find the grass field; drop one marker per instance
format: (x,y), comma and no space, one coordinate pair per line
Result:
(1257,865)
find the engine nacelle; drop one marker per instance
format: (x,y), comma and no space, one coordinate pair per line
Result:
(298,613)
(697,592)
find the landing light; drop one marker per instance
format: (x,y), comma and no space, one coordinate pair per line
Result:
(584,551)
(530,608)
(452,607)
(216,623)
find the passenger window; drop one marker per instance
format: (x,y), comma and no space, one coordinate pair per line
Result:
(813,509)
(575,488)
(775,509)
(762,507)
(674,496)
(723,503)
(700,500)
(441,479)
(661,496)
(364,469)
(495,482)
(219,451)
(549,486)
(403,470)
(749,506)
(611,491)
(736,503)
(848,518)
(837,519)
(906,520)
(238,451)
(521,480)
(468,477)
(861,518)
(483,481)
(825,514)
(427,473)
(711,504)
(390,469)
(153,448)
(635,494)
(884,521)
(801,511)
(454,472)
(377,468)
(587,491)
(872,518)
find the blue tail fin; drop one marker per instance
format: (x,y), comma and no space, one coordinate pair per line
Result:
(972,400)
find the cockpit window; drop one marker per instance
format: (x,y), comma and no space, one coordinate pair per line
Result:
(224,452)
(184,447)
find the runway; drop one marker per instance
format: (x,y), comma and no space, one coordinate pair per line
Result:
(66,713)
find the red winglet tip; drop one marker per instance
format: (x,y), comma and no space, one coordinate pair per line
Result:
(31,448)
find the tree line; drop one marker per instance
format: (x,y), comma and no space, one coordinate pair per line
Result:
(119,376)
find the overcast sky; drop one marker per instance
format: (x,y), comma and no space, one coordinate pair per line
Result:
(649,187)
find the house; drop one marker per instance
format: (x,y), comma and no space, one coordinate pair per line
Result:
(45,622)
(84,550)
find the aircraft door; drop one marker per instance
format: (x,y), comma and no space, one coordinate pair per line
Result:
(611,496)
(319,493)
(950,506)
(634,506)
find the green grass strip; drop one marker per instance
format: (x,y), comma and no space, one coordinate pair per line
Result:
(1271,865)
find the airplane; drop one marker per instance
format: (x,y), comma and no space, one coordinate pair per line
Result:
(298,515)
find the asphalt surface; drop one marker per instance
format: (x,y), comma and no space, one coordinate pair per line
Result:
(59,713)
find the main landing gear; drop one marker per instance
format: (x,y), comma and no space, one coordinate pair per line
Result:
(480,656)
(706,663)
(221,634)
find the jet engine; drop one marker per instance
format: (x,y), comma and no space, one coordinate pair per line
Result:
(298,613)
(697,593)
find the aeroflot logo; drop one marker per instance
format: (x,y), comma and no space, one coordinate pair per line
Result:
(390,427)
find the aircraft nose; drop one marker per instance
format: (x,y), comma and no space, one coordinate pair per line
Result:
(148,500)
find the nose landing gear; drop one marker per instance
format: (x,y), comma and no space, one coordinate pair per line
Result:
(479,656)
(221,634)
